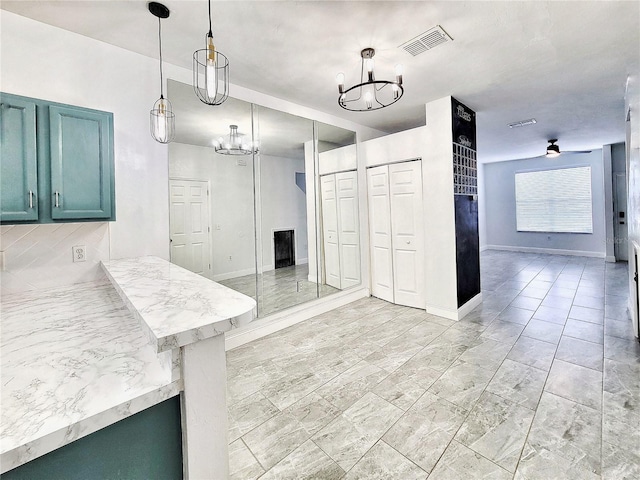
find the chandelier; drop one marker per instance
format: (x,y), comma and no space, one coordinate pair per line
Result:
(371,94)
(163,120)
(235,144)
(210,72)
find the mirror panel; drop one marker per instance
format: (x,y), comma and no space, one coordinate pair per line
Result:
(227,241)
(258,223)
(285,171)
(338,221)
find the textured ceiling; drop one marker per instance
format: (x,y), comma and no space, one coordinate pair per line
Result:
(563,63)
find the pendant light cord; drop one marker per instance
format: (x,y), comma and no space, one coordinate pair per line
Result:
(210,31)
(160,43)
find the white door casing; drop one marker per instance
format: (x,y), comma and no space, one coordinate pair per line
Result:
(330,230)
(405,186)
(348,228)
(189,225)
(380,233)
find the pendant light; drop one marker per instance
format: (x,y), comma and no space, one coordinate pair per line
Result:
(234,145)
(210,72)
(369,94)
(163,120)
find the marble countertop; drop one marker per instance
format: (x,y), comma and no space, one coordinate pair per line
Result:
(176,307)
(73,360)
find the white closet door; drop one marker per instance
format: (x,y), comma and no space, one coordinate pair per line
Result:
(330,230)
(348,236)
(405,186)
(380,233)
(189,225)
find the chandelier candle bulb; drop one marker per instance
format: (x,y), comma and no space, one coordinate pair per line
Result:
(367,99)
(340,81)
(399,74)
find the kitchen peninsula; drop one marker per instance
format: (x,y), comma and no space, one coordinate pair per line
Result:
(78,358)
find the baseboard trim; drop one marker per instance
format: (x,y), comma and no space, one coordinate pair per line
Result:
(281,320)
(458,314)
(464,310)
(483,248)
(610,259)
(550,251)
(239,273)
(442,312)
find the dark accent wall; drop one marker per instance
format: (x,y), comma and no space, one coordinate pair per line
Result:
(467,248)
(147,445)
(465,173)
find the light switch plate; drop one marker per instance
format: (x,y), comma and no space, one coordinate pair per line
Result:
(79,253)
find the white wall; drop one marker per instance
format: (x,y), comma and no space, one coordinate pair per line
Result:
(500,210)
(69,68)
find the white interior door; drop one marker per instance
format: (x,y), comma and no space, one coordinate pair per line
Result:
(620,225)
(405,186)
(189,225)
(380,233)
(330,230)
(348,231)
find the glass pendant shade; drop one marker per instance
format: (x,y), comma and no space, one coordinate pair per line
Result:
(234,144)
(210,72)
(163,121)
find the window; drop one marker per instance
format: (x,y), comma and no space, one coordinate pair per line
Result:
(554,201)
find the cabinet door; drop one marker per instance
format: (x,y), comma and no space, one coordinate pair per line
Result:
(81,160)
(18,165)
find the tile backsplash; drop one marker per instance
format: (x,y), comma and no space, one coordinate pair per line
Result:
(41,256)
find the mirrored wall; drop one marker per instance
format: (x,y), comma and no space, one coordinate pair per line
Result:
(247,205)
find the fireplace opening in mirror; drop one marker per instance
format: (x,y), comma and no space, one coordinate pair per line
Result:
(283,241)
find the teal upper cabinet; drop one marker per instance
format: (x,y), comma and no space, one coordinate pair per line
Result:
(80,163)
(18,160)
(57,162)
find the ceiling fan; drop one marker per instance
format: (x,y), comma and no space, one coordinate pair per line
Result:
(553,150)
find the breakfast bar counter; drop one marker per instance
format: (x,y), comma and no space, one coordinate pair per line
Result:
(78,358)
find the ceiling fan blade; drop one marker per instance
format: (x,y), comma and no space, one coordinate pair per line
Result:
(573,152)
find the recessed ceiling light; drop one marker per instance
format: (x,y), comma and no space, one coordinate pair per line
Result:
(522,123)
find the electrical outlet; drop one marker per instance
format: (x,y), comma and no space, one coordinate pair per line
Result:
(79,253)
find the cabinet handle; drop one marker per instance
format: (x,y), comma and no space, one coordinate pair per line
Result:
(57,194)
(30,198)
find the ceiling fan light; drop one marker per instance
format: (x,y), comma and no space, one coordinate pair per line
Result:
(553,151)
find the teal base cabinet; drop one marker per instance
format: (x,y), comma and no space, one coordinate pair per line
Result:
(56,162)
(147,445)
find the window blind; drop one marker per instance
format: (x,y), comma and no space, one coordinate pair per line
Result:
(554,200)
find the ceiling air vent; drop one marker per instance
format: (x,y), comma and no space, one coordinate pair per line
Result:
(426,41)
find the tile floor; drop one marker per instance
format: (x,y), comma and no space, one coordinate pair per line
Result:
(542,381)
(280,288)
